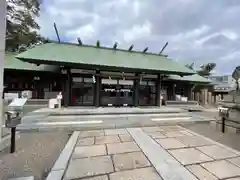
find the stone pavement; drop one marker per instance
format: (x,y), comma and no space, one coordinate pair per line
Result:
(150,153)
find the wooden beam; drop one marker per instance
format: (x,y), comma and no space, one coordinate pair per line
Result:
(145,50)
(130,48)
(79,41)
(115,45)
(98,43)
(56,30)
(163,48)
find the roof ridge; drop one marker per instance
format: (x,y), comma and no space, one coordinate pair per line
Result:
(107,48)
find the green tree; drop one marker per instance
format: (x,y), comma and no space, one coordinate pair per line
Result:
(205,69)
(22,28)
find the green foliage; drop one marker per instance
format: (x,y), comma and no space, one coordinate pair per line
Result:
(206,69)
(22,28)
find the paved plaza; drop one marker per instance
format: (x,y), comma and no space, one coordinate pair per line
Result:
(150,153)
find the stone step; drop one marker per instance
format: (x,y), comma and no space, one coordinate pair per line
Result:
(115,111)
(37,102)
(182,103)
(41,118)
(163,115)
(95,124)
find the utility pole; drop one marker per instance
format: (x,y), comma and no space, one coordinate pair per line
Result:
(2,52)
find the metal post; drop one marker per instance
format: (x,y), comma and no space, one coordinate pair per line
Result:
(13,140)
(2,50)
(223,125)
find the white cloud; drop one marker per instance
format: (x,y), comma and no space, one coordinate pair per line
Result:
(196,32)
(88,30)
(230,34)
(137,32)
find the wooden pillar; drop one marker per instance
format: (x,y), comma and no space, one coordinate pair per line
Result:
(174,92)
(170,92)
(67,88)
(136,90)
(209,97)
(192,96)
(189,92)
(97,89)
(158,91)
(197,97)
(204,96)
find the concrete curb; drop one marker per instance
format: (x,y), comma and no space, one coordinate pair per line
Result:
(212,141)
(37,128)
(6,141)
(61,164)
(23,178)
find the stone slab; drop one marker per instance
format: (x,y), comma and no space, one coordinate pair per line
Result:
(163,162)
(87,167)
(170,143)
(129,161)
(201,173)
(85,141)
(55,175)
(136,174)
(115,131)
(172,134)
(92,133)
(122,147)
(156,135)
(187,133)
(213,142)
(222,169)
(105,177)
(189,156)
(171,128)
(66,153)
(107,139)
(88,151)
(125,137)
(235,161)
(193,141)
(217,152)
(152,129)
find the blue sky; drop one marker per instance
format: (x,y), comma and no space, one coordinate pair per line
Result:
(198,31)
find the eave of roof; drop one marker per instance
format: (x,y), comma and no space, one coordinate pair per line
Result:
(191,78)
(93,57)
(12,63)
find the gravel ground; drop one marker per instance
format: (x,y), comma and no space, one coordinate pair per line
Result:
(229,139)
(36,153)
(5,132)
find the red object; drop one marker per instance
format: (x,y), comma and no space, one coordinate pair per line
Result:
(73,100)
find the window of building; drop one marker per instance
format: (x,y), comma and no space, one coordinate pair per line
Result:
(83,92)
(147,93)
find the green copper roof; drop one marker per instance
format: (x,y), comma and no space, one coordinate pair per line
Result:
(12,63)
(192,78)
(80,55)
